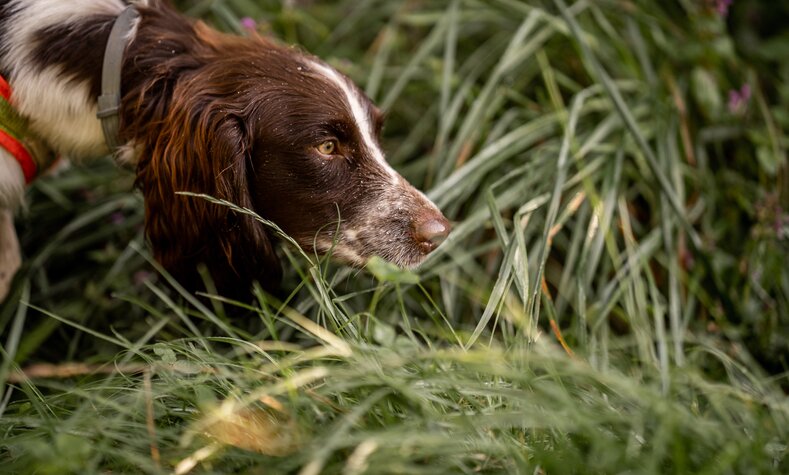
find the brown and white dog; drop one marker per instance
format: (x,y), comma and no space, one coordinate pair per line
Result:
(244,119)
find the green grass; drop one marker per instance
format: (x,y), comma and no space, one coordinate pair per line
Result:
(614,296)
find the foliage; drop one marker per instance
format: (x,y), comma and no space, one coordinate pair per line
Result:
(614,296)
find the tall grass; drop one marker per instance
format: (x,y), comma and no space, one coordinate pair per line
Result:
(613,298)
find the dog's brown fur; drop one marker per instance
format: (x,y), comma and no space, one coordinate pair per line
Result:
(242,119)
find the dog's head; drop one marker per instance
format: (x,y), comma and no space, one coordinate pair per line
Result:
(320,172)
(278,131)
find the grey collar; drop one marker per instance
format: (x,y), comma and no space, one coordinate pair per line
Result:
(110,99)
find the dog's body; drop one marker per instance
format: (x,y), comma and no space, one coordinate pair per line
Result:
(242,119)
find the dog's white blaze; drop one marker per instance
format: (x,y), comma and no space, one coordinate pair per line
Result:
(360,117)
(62,111)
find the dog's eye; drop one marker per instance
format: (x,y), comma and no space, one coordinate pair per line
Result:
(328,147)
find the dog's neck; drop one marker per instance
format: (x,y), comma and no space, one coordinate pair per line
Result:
(52,54)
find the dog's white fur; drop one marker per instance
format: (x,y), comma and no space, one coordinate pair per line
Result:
(61,112)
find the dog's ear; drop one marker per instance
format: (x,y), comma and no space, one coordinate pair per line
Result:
(201,145)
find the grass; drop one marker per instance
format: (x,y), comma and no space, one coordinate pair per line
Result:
(614,296)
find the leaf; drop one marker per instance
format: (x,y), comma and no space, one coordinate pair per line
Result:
(166,354)
(383,334)
(767,160)
(706,93)
(257,430)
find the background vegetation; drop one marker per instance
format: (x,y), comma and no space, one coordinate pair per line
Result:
(614,296)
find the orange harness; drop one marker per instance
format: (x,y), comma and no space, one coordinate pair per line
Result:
(13,132)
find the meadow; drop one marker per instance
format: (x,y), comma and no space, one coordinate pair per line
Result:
(614,296)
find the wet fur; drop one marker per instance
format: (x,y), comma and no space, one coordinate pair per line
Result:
(238,118)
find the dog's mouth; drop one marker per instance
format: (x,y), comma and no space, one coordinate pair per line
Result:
(357,256)
(405,243)
(397,223)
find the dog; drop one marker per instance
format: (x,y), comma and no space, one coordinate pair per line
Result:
(244,119)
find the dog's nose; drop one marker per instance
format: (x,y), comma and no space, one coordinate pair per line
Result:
(431,231)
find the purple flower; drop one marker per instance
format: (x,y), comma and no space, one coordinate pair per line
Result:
(745,92)
(721,6)
(249,23)
(117,218)
(738,99)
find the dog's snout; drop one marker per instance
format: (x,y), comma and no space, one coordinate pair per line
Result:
(431,230)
